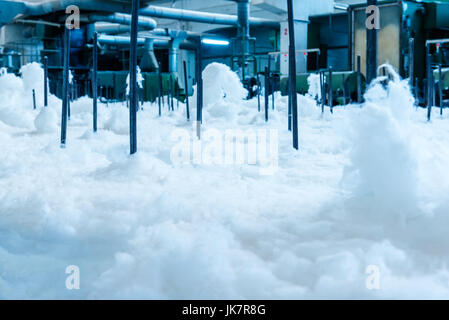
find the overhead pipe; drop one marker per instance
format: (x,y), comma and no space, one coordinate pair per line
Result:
(243,16)
(123,19)
(46,7)
(203,17)
(125,41)
(111,28)
(149,62)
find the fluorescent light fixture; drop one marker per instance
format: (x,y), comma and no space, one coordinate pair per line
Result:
(215,42)
(341,6)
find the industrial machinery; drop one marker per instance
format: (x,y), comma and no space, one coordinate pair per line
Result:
(341,37)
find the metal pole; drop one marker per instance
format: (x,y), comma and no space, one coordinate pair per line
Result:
(133,79)
(331,98)
(289,107)
(371,49)
(172,86)
(65,90)
(429,85)
(258,92)
(359,79)
(159,82)
(266,93)
(323,92)
(177,95)
(292,74)
(440,88)
(34,99)
(270,87)
(94,81)
(411,61)
(199,77)
(45,81)
(186,84)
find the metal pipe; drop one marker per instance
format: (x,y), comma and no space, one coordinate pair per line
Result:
(266,94)
(258,92)
(159,83)
(203,17)
(331,98)
(429,86)
(149,62)
(199,100)
(440,88)
(34,99)
(125,41)
(323,93)
(292,74)
(243,9)
(45,81)
(359,79)
(371,49)
(186,84)
(123,19)
(65,90)
(94,81)
(411,62)
(133,79)
(46,7)
(289,107)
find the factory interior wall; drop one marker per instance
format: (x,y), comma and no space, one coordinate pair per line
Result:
(331,35)
(388,36)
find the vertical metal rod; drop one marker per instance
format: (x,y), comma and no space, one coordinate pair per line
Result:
(258,92)
(411,62)
(69,84)
(371,49)
(94,81)
(266,93)
(289,107)
(34,99)
(172,86)
(186,85)
(416,91)
(269,77)
(292,74)
(429,85)
(65,90)
(177,93)
(45,81)
(359,79)
(133,79)
(159,98)
(199,77)
(323,92)
(440,88)
(331,98)
(272,93)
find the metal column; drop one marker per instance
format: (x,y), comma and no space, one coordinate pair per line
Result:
(133,79)
(45,81)
(65,90)
(186,84)
(371,50)
(292,74)
(94,81)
